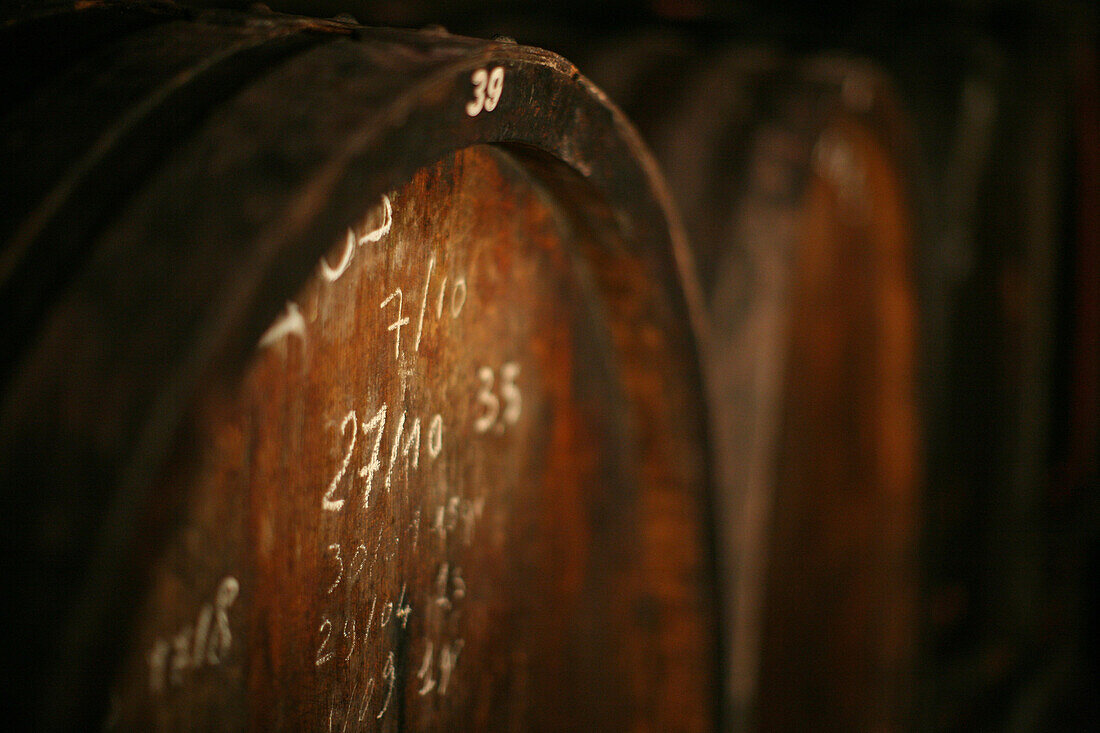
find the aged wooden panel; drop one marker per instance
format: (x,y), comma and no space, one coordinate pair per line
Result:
(367,400)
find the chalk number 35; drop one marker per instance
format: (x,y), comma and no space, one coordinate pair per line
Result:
(487,88)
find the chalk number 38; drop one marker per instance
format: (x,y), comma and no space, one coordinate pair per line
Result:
(487,88)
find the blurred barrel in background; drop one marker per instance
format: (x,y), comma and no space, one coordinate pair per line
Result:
(842,579)
(994,159)
(351,385)
(793,176)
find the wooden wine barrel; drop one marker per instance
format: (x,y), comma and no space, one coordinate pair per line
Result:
(350,386)
(794,180)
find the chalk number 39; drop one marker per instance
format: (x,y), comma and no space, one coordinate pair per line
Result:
(487,88)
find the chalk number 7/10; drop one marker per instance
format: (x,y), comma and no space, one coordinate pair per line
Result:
(487,88)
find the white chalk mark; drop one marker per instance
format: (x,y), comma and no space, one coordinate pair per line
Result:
(513,400)
(377,544)
(340,570)
(394,449)
(222,638)
(366,700)
(378,422)
(332,274)
(470,515)
(459,584)
(458,297)
(287,324)
(401,321)
(405,372)
(351,701)
(424,303)
(327,502)
(490,401)
(202,631)
(435,436)
(496,86)
(452,513)
(403,610)
(383,229)
(350,636)
(487,90)
(439,303)
(424,673)
(227,592)
(388,672)
(207,642)
(370,619)
(181,657)
(415,529)
(439,527)
(479,79)
(354,574)
(441,599)
(448,658)
(411,451)
(324,656)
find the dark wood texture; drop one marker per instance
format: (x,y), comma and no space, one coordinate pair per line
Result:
(489,515)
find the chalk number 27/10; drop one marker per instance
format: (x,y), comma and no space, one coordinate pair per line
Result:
(487,88)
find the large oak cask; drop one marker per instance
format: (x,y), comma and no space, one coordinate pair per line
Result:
(349,385)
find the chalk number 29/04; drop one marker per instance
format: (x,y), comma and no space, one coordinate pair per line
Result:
(488,86)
